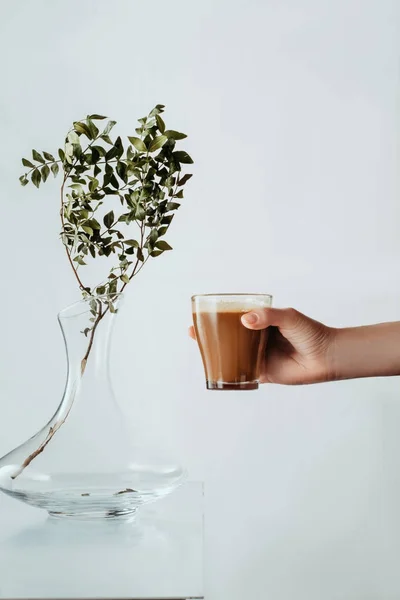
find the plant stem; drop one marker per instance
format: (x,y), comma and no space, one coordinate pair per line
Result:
(85,358)
(42,446)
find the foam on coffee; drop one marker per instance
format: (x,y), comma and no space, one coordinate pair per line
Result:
(237,304)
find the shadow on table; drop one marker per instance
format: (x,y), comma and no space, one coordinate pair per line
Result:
(62,533)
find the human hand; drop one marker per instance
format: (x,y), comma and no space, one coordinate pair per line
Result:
(299,349)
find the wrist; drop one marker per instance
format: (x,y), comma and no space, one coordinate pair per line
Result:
(331,366)
(369,351)
(339,364)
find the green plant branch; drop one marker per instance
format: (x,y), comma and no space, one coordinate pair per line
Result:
(153,162)
(46,163)
(85,358)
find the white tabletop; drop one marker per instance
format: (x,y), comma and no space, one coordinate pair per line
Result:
(159,556)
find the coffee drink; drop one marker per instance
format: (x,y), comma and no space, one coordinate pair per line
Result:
(231,352)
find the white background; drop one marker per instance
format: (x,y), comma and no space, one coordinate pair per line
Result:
(292,113)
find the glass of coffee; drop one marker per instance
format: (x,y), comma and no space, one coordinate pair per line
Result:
(231,353)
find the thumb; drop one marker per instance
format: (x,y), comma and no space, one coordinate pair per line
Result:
(260,318)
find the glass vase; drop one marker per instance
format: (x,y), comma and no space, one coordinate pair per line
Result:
(84,463)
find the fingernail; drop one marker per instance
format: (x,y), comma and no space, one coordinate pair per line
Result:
(250,318)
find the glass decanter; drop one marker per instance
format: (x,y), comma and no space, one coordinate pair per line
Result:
(85,463)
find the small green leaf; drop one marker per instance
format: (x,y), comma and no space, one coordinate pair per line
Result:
(170,182)
(38,157)
(153,237)
(107,139)
(36,177)
(79,260)
(94,184)
(77,150)
(114,181)
(167,219)
(182,157)
(140,213)
(23,180)
(87,229)
(54,169)
(138,143)
(162,245)
(93,306)
(93,224)
(175,135)
(98,150)
(109,191)
(96,117)
(77,187)
(45,171)
(160,123)
(27,163)
(139,254)
(184,179)
(107,175)
(156,253)
(172,205)
(145,193)
(133,243)
(109,219)
(119,147)
(49,156)
(92,128)
(158,142)
(122,171)
(73,137)
(112,153)
(108,127)
(83,128)
(61,154)
(95,155)
(124,278)
(162,230)
(154,112)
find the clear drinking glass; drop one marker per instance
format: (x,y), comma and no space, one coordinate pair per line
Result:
(231,353)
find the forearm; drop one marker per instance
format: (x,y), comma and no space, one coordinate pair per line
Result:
(369,351)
